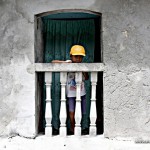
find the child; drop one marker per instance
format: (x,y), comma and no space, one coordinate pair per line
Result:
(77,53)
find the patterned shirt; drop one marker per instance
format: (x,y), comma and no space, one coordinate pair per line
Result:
(71,85)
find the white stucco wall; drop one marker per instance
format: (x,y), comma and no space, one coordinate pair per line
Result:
(126,38)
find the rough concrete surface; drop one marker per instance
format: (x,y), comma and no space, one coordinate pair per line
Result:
(69,143)
(125,40)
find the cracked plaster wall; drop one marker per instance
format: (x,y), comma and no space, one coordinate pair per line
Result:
(126,38)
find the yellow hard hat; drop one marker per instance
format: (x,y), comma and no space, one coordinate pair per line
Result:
(77,50)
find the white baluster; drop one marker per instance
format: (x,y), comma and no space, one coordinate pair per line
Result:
(78,78)
(93,104)
(63,116)
(48,109)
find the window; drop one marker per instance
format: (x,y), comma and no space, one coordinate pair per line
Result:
(55,33)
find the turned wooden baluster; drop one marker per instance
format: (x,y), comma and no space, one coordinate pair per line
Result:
(48,109)
(78,78)
(63,116)
(93,104)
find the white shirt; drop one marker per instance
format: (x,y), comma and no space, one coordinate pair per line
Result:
(71,85)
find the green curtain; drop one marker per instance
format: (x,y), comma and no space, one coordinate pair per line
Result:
(59,36)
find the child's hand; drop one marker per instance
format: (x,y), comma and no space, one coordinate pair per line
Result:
(68,61)
(86,76)
(61,61)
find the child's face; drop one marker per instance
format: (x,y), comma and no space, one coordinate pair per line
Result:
(76,58)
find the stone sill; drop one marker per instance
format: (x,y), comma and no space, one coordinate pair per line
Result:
(69,67)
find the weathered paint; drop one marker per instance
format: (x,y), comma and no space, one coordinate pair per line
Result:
(125,39)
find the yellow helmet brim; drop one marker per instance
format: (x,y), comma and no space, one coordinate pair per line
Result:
(78,54)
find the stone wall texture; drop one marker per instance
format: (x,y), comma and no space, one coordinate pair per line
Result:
(126,53)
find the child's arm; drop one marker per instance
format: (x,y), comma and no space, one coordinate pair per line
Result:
(58,61)
(61,61)
(86,76)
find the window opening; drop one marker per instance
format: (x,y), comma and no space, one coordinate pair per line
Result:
(55,34)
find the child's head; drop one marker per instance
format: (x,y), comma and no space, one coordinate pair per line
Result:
(77,53)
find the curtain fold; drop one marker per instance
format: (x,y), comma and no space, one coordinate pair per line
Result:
(59,36)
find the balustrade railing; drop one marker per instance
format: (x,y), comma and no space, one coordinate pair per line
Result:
(63,68)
